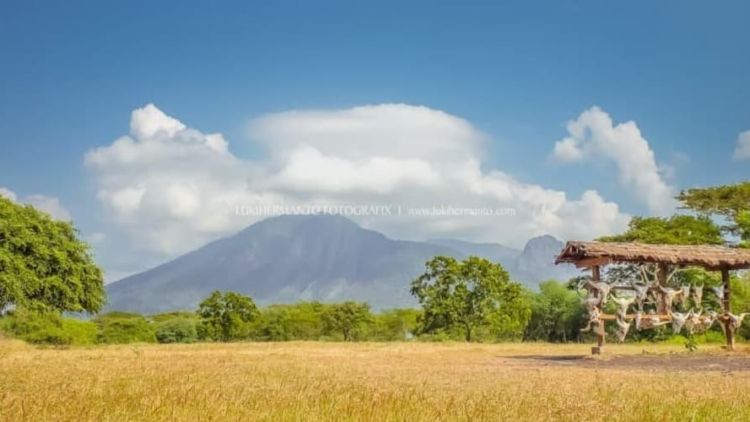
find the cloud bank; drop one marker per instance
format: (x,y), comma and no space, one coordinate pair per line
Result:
(742,151)
(172,188)
(49,204)
(594,135)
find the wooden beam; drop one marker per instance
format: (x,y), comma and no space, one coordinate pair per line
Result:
(592,262)
(613,317)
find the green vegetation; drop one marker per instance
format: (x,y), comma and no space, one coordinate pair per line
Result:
(349,319)
(557,314)
(473,296)
(43,264)
(177,330)
(48,328)
(226,316)
(123,327)
(730,201)
(675,230)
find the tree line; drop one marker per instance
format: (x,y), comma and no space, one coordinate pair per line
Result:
(47,271)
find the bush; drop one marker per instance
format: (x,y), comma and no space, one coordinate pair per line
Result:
(123,328)
(394,325)
(176,330)
(48,328)
(300,321)
(81,332)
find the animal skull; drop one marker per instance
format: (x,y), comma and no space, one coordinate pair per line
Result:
(678,321)
(697,295)
(622,329)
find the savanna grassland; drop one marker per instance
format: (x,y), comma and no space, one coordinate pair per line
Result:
(371,381)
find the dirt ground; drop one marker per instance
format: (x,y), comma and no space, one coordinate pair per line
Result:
(643,362)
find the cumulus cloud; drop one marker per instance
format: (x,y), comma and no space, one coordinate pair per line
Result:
(742,151)
(48,204)
(172,188)
(593,134)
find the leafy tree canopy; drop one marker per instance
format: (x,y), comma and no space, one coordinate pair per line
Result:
(348,318)
(466,295)
(557,313)
(675,230)
(43,264)
(226,316)
(729,201)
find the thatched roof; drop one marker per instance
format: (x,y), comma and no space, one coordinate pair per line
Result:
(587,254)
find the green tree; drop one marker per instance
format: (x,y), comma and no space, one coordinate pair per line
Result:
(176,330)
(556,313)
(675,230)
(350,319)
(729,201)
(226,316)
(299,321)
(465,295)
(43,264)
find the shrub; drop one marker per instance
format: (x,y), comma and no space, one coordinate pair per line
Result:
(123,328)
(300,321)
(48,328)
(176,330)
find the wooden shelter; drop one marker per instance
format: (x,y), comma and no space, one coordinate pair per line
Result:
(595,255)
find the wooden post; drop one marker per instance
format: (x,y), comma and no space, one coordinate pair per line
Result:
(727,307)
(597,350)
(661,276)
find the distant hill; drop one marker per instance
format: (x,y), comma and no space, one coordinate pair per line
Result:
(322,257)
(533,264)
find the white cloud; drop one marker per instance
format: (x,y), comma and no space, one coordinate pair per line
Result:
(48,204)
(172,188)
(9,194)
(742,151)
(593,135)
(96,238)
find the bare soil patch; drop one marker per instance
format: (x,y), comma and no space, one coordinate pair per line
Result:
(648,362)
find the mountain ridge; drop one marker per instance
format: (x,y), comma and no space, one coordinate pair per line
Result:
(291,258)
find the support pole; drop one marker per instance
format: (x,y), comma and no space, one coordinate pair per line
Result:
(597,350)
(661,276)
(727,305)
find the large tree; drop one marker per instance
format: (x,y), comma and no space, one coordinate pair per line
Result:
(348,318)
(44,265)
(730,201)
(675,230)
(226,316)
(466,295)
(556,313)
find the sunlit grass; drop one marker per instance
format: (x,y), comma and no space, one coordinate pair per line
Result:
(334,381)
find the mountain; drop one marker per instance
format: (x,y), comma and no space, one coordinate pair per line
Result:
(284,259)
(537,261)
(493,251)
(533,264)
(321,257)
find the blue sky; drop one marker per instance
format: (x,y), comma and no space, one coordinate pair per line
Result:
(71,73)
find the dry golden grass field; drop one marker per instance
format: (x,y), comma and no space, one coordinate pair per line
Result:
(369,381)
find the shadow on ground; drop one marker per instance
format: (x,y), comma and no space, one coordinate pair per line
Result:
(665,362)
